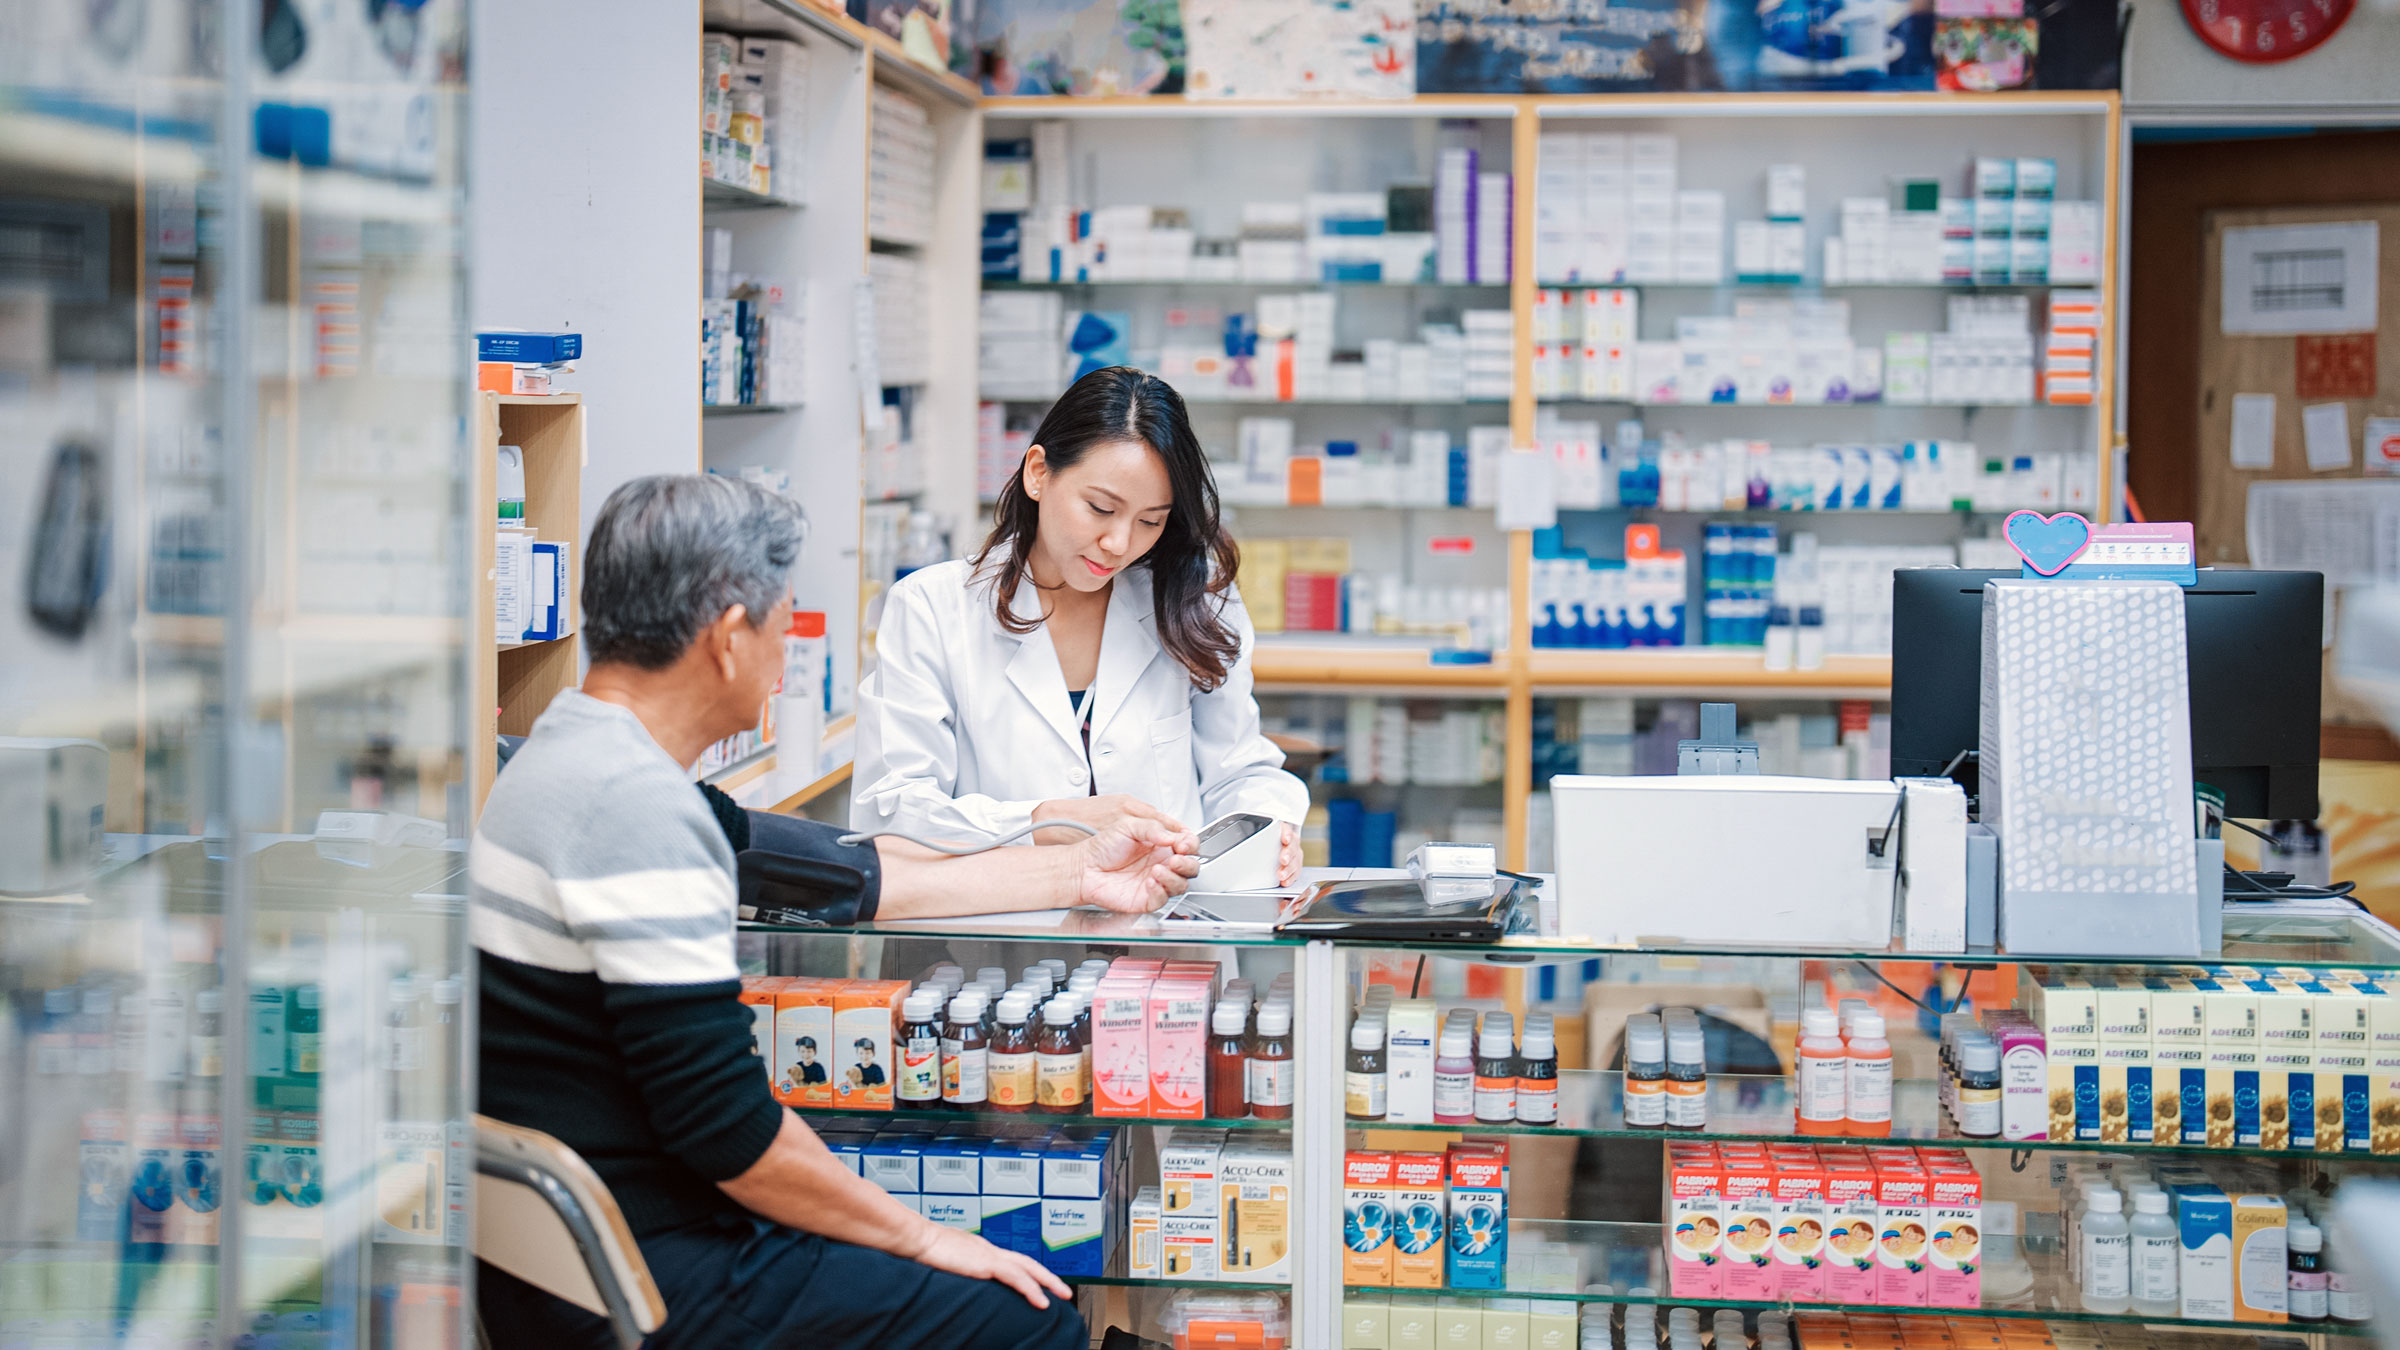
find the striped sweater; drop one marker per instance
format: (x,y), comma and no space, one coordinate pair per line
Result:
(602,893)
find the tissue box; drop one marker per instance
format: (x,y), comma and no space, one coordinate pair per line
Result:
(2087,767)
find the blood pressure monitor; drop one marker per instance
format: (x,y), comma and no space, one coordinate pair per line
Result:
(1239,853)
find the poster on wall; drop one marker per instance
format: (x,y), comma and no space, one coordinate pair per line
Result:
(1079,47)
(1263,49)
(1700,46)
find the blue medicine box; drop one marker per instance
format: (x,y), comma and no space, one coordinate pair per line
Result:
(528,348)
(953,1167)
(894,1163)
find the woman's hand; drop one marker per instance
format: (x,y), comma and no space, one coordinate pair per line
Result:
(1287,862)
(963,1253)
(1098,812)
(1134,866)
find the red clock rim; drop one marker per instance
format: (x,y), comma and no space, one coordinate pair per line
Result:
(2191,19)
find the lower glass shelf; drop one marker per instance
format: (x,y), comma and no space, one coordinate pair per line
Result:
(1146,1282)
(1762,1107)
(1576,1260)
(1040,1119)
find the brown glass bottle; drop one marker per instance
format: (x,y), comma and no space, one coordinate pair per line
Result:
(1009,1060)
(1229,1062)
(965,1072)
(1058,1062)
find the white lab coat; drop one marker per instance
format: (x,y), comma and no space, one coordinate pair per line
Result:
(965,727)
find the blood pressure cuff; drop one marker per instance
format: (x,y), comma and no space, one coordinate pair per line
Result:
(794,871)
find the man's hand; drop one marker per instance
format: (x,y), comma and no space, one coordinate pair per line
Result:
(963,1253)
(1134,866)
(1287,862)
(1098,812)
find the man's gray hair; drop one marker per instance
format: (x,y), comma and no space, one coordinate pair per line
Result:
(671,553)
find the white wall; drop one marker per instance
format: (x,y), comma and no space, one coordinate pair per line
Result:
(2171,74)
(584,211)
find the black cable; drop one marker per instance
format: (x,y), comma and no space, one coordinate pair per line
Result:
(1955,760)
(2251,886)
(1414,980)
(1921,1004)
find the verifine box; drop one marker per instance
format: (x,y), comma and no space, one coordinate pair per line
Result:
(528,348)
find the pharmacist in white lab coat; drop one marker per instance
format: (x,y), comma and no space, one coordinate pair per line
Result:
(1115,679)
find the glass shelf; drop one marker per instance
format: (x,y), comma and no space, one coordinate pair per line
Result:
(1050,925)
(1873,406)
(2254,936)
(717,192)
(1628,1255)
(1591,1105)
(1238,283)
(1043,1119)
(1485,404)
(1131,1282)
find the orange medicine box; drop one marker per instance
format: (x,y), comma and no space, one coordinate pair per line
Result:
(1368,1215)
(1420,1219)
(758,993)
(866,1018)
(804,1042)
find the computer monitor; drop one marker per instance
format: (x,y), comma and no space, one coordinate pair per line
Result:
(2254,647)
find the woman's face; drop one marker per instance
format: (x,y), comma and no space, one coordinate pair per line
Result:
(1098,517)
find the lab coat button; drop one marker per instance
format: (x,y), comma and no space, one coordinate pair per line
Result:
(1075,776)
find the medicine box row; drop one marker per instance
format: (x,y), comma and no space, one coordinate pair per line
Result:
(1055,1195)
(1222,1209)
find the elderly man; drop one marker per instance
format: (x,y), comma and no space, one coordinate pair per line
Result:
(604,894)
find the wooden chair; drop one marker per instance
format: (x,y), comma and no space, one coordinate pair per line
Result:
(544,1216)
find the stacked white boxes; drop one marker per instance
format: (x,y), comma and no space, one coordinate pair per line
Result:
(1021,342)
(775,70)
(899,168)
(903,319)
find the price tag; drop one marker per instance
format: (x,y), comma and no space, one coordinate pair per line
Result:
(2155,552)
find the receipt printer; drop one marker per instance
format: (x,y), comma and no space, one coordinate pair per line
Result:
(1731,858)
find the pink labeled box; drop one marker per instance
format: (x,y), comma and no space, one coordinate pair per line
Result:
(1121,1046)
(1903,1231)
(1955,1237)
(1178,1016)
(1695,1223)
(1749,1237)
(1850,1226)
(1799,1227)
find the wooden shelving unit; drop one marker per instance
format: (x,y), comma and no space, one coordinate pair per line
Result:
(513,683)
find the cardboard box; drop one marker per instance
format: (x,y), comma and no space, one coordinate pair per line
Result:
(2065,1010)
(758,994)
(2204,1229)
(1904,1230)
(2178,1062)
(1478,1176)
(1143,1253)
(1366,1322)
(1956,1245)
(2341,1020)
(1178,1050)
(1013,1223)
(1188,1246)
(866,1017)
(1187,1172)
(804,1059)
(1121,1046)
(1421,1219)
(2259,1257)
(2287,1068)
(1411,1025)
(1074,1236)
(2121,1010)
(1799,1227)
(1696,1221)
(2230,1034)
(1367,1226)
(1254,1209)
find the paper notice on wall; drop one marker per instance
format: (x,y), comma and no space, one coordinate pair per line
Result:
(2348,529)
(1528,491)
(2382,445)
(2254,431)
(2290,279)
(2325,427)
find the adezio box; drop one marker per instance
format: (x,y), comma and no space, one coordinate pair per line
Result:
(2287,1068)
(2063,1009)
(2122,1012)
(2231,1038)
(2178,1062)
(1695,1221)
(2344,1124)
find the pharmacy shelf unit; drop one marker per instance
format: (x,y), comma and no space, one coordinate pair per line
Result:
(514,682)
(1330,979)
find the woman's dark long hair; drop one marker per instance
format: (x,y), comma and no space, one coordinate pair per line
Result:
(1194,560)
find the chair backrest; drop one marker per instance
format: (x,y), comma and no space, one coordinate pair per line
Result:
(544,1216)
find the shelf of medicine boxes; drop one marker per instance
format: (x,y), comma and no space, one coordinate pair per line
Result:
(1626,1248)
(513,684)
(761,783)
(803,19)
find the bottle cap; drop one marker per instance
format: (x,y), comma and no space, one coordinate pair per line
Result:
(1980,1056)
(1458,1042)
(1868,1027)
(1036,971)
(449,989)
(946,973)
(1645,1040)
(967,1007)
(1495,1043)
(1366,1034)
(921,1006)
(1275,1019)
(305,996)
(1059,1011)
(1823,1023)
(2106,1200)
(1057,966)
(991,974)
(1015,1008)
(1686,1045)
(2155,1202)
(1540,1042)
(1230,1019)
(2306,1237)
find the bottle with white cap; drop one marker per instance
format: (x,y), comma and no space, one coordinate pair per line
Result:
(1687,1075)
(1869,1086)
(1537,1072)
(1496,1069)
(2157,1255)
(1823,1073)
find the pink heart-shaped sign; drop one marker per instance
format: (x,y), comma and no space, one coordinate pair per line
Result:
(2047,543)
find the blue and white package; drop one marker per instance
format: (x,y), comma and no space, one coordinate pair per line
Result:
(528,348)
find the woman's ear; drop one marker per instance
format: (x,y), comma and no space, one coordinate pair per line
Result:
(1036,472)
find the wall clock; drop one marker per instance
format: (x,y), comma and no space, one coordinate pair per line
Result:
(2263,31)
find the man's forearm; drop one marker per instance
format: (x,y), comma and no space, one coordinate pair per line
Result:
(919,883)
(798,1183)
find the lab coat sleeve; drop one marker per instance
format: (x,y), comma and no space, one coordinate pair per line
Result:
(906,766)
(1240,769)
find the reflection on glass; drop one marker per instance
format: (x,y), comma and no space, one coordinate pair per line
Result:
(231,364)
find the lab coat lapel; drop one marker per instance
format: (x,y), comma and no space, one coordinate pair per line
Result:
(1128,644)
(1034,670)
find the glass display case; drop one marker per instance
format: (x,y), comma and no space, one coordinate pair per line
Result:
(233,381)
